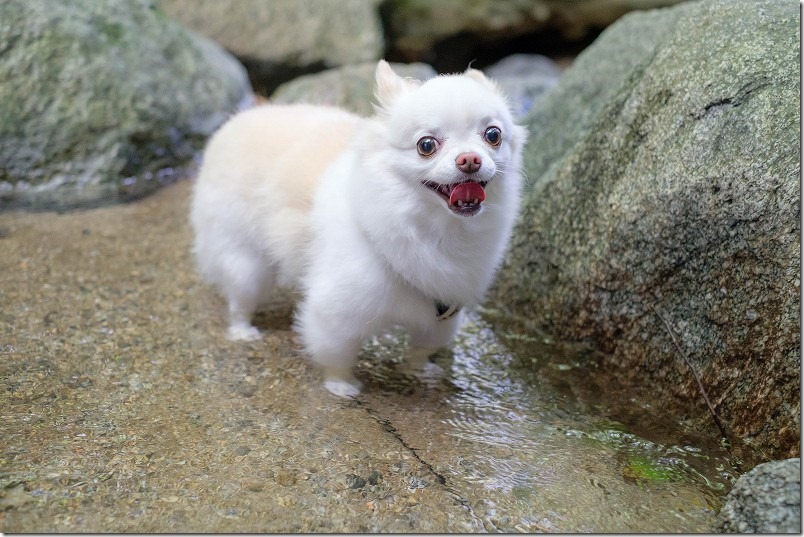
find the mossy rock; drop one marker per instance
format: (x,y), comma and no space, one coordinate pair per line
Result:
(98,97)
(664,172)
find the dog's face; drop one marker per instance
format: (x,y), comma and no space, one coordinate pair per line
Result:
(452,137)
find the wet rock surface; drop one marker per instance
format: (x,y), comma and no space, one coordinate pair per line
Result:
(124,409)
(663,220)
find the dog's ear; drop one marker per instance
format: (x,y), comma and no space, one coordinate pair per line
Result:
(390,85)
(478,76)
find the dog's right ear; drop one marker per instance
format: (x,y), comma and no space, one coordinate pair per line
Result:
(390,85)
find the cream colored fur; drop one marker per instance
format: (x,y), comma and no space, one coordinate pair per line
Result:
(334,204)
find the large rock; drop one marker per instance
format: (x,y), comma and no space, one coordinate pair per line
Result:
(765,500)
(99,96)
(665,188)
(280,39)
(427,30)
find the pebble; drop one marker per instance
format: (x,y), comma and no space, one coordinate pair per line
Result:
(254,485)
(285,478)
(15,497)
(355,481)
(398,467)
(374,478)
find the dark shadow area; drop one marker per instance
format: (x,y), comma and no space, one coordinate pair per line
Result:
(456,53)
(266,77)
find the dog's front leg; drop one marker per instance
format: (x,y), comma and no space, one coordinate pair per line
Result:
(424,342)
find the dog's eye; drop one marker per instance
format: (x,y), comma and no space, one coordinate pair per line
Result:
(427,146)
(493,136)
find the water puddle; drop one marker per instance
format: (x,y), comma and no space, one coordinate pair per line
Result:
(530,455)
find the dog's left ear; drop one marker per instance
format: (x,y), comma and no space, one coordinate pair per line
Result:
(478,76)
(390,85)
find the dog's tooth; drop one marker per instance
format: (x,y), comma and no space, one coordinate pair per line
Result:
(475,201)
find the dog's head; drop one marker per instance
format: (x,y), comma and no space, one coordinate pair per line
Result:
(453,135)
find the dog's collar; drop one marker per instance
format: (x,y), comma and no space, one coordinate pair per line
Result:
(446,311)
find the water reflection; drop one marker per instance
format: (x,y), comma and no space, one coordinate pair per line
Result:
(551,456)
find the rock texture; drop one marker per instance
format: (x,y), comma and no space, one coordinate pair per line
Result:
(97,92)
(765,500)
(665,188)
(280,39)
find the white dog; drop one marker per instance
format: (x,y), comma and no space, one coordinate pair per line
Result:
(398,219)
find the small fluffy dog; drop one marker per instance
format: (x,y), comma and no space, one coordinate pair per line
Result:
(398,219)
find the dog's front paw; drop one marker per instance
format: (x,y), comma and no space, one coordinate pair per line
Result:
(243,332)
(341,382)
(342,388)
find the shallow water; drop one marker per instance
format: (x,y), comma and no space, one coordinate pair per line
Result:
(537,459)
(124,409)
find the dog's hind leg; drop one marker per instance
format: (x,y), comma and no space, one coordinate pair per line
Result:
(250,280)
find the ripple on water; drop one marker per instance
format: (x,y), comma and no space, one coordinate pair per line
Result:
(564,468)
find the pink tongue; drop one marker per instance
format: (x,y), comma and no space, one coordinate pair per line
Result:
(467,192)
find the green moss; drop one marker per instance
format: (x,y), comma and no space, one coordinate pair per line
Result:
(113,31)
(644,468)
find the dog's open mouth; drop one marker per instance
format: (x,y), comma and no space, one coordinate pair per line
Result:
(462,198)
